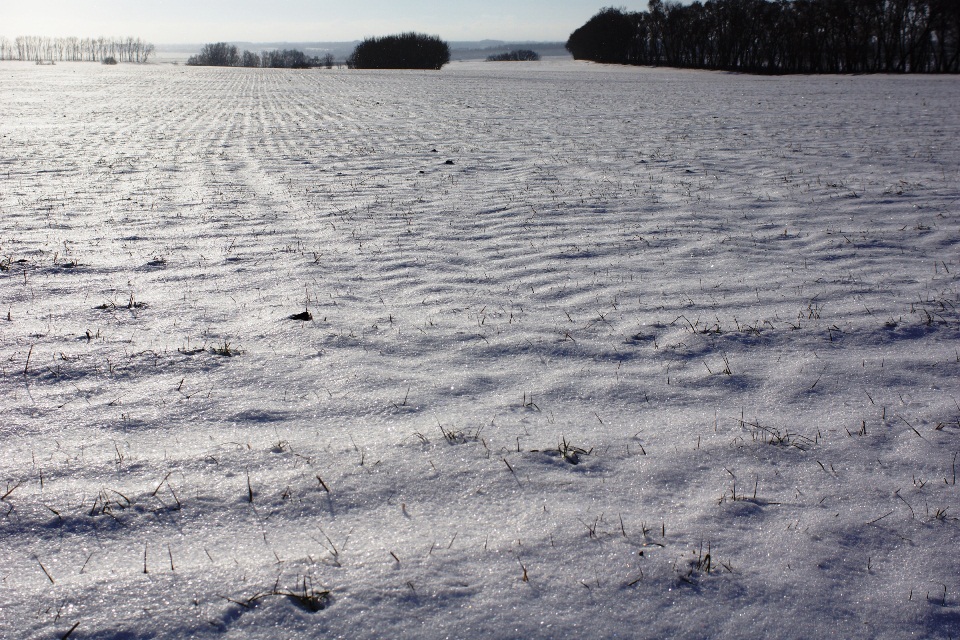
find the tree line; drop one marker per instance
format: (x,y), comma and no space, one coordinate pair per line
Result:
(404,51)
(517,55)
(42,49)
(779,36)
(224,54)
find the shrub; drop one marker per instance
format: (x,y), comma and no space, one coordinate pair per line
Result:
(109,60)
(517,55)
(404,51)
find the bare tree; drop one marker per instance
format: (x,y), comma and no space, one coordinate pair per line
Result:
(219,54)
(249,59)
(74,49)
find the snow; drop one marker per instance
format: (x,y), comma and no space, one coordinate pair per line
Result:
(660,354)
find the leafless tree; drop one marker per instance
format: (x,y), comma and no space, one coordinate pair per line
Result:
(74,49)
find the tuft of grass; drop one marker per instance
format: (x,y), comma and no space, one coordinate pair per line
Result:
(702,563)
(571,453)
(458,436)
(225,349)
(10,490)
(529,403)
(772,435)
(565,450)
(305,596)
(107,501)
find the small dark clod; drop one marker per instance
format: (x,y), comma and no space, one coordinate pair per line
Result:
(303,316)
(448,162)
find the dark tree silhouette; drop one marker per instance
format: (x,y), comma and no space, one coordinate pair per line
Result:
(779,36)
(404,51)
(606,37)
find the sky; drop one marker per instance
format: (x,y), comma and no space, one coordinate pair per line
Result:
(190,21)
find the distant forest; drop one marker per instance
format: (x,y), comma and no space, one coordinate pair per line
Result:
(40,49)
(779,36)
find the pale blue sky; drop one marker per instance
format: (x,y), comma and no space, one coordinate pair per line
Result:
(182,21)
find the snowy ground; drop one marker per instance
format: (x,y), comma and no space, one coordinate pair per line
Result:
(660,354)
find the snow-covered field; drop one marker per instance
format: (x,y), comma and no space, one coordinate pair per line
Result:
(592,352)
